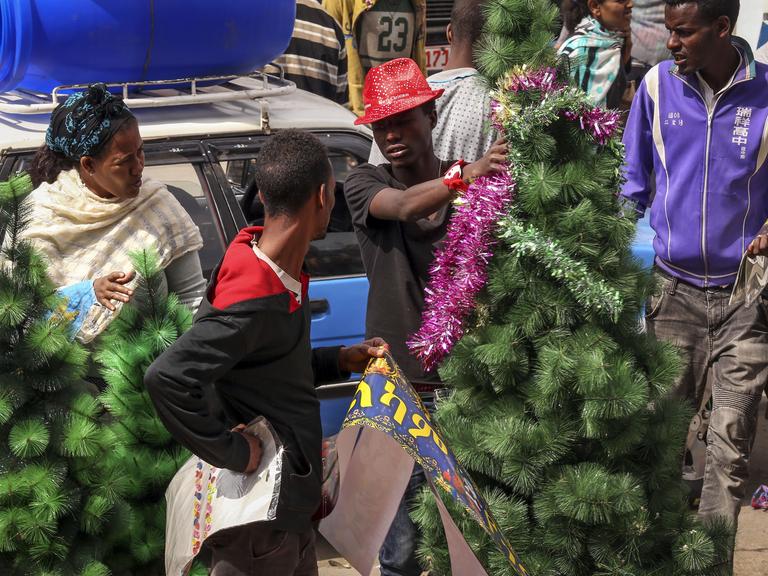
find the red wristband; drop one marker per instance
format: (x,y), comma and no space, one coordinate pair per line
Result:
(454,178)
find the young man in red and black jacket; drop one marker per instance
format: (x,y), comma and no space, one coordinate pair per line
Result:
(250,341)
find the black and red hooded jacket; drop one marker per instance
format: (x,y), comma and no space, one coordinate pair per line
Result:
(250,342)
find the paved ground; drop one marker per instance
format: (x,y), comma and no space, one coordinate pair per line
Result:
(751,541)
(331,565)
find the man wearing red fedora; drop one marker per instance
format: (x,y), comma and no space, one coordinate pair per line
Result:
(400,212)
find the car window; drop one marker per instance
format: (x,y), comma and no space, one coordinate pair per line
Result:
(241,173)
(338,253)
(179,168)
(17,164)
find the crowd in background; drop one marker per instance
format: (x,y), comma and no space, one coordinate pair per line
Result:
(336,42)
(692,90)
(430,141)
(611,44)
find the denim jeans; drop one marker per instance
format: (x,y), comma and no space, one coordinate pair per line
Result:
(727,346)
(398,553)
(260,550)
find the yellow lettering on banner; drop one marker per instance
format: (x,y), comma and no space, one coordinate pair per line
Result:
(364,394)
(387,398)
(423,430)
(439,442)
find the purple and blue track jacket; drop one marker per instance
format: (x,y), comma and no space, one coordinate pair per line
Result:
(709,167)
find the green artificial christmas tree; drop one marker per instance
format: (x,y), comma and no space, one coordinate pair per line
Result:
(58,496)
(143,330)
(560,406)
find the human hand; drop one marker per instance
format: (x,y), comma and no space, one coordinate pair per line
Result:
(759,246)
(494,161)
(112,287)
(355,358)
(255,446)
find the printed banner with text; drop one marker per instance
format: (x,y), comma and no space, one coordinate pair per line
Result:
(386,408)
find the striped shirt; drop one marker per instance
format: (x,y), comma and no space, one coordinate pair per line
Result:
(316,58)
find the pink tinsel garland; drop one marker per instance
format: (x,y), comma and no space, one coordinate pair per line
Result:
(543,79)
(460,268)
(601,124)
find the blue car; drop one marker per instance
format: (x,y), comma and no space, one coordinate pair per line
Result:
(204,150)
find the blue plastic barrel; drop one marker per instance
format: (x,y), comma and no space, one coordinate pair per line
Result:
(49,43)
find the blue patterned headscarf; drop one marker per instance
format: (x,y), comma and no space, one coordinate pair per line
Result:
(83,124)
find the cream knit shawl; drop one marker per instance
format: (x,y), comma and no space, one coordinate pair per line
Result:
(84,236)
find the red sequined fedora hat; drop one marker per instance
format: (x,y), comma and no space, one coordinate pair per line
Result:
(394,87)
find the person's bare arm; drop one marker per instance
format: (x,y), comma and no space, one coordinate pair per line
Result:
(426,198)
(409,205)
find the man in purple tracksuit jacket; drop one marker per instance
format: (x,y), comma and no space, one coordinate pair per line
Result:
(699,127)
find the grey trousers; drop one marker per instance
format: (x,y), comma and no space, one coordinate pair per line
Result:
(726,346)
(259,550)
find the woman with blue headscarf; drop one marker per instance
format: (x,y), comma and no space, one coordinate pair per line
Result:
(92,208)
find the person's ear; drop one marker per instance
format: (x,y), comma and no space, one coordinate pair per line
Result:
(433,117)
(723,27)
(87,165)
(261,197)
(322,196)
(449,33)
(594,8)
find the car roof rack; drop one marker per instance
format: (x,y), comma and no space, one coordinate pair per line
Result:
(161,93)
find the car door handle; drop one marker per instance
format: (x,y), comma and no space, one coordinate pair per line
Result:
(318,306)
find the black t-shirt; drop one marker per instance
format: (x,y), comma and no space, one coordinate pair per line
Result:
(397,256)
